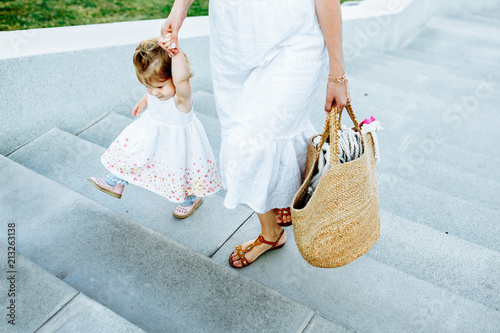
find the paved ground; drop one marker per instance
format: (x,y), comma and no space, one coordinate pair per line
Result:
(126,265)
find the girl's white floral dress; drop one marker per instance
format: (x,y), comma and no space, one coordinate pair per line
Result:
(165,151)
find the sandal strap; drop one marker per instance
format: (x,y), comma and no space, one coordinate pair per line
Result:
(274,244)
(241,255)
(240,252)
(283,211)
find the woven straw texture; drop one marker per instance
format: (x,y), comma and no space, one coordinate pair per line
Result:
(341,220)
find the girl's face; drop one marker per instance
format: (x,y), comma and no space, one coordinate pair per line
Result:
(161,90)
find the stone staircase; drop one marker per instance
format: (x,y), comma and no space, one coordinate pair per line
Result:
(89,262)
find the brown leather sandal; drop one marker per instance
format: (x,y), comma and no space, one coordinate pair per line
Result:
(260,240)
(284,212)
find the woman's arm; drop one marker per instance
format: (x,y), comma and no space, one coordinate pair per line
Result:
(175,19)
(330,21)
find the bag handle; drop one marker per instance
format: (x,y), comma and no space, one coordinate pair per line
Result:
(332,125)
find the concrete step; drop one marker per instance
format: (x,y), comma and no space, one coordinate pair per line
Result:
(412,151)
(461,218)
(437,257)
(472,139)
(413,159)
(320,324)
(474,26)
(43,303)
(105,131)
(148,279)
(480,70)
(69,160)
(440,80)
(478,78)
(451,45)
(473,106)
(492,15)
(367,295)
(477,100)
(451,121)
(469,95)
(447,119)
(197,51)
(205,103)
(86,315)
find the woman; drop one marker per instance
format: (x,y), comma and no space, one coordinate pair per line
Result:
(267,58)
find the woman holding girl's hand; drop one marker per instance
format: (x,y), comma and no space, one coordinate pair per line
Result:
(267,58)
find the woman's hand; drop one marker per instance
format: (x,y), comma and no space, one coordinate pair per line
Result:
(140,106)
(337,94)
(168,45)
(173,24)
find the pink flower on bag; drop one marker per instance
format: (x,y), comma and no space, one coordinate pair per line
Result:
(367,121)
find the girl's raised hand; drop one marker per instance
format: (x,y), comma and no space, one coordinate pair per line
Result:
(139,107)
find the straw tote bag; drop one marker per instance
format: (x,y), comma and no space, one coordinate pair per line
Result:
(341,220)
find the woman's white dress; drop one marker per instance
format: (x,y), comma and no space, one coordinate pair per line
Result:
(267,58)
(165,151)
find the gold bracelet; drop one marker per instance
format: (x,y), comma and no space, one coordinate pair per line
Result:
(339,79)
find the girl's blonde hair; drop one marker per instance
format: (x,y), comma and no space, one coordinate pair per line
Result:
(152,63)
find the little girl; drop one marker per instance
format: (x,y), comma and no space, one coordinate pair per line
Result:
(166,150)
